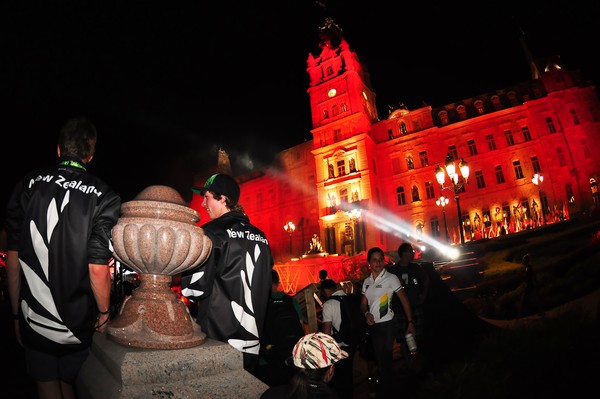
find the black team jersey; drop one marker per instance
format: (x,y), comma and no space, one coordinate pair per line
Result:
(233,285)
(60,220)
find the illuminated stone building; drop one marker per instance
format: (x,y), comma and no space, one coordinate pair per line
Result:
(364,181)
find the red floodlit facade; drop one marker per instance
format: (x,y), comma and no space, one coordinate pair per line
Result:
(364,182)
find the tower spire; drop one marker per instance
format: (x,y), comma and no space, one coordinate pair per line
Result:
(330,34)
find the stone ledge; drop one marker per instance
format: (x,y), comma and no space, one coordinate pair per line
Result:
(211,370)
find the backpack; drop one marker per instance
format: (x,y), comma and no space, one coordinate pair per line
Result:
(353,324)
(281,331)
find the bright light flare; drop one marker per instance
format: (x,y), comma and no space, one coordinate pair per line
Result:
(382,219)
(452,253)
(390,223)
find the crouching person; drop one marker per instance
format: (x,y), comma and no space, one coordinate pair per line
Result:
(314,357)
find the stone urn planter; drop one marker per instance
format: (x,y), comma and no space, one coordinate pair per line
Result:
(157,236)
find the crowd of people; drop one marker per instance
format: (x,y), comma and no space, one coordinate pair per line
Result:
(388,308)
(59,248)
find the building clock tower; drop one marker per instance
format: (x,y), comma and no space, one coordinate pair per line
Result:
(364,182)
(343,110)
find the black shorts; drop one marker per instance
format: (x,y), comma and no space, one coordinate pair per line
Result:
(45,367)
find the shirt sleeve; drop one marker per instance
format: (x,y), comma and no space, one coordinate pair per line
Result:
(327,311)
(100,242)
(395,283)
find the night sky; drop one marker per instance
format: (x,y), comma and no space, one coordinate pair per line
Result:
(167,83)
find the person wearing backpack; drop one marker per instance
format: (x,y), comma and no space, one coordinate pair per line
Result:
(283,328)
(337,321)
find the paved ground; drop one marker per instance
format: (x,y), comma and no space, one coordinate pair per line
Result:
(17,384)
(460,328)
(446,313)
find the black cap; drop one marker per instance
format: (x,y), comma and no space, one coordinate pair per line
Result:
(220,184)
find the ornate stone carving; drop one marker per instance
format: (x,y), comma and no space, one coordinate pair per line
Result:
(157,236)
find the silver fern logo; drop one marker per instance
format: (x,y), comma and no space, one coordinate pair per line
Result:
(247,320)
(53,330)
(191,293)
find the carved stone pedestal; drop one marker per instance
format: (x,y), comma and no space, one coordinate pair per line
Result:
(213,370)
(157,236)
(153,317)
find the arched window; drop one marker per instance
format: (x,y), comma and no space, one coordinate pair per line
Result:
(429,192)
(344,196)
(479,107)
(415,194)
(352,164)
(496,102)
(570,195)
(443,115)
(410,164)
(401,197)
(403,129)
(435,227)
(419,229)
(574,116)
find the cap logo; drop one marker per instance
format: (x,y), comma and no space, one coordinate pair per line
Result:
(210,180)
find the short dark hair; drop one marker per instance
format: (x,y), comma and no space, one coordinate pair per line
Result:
(374,250)
(322,274)
(328,284)
(77,138)
(405,247)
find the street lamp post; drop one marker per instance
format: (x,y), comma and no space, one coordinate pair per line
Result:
(456,184)
(537,180)
(289,227)
(443,201)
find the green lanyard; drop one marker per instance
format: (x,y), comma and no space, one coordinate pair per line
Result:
(73,163)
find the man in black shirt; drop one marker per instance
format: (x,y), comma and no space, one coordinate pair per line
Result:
(233,286)
(59,223)
(416,286)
